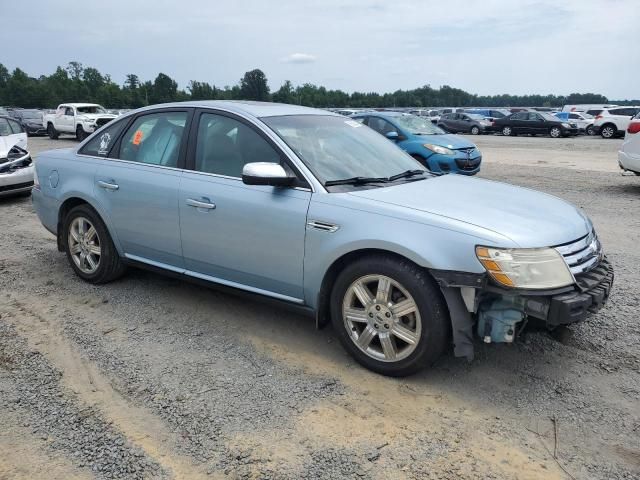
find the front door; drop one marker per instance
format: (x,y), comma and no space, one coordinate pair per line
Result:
(245,236)
(139,187)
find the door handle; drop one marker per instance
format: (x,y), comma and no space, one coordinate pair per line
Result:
(107,185)
(200,204)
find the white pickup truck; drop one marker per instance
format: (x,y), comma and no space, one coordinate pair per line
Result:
(79,119)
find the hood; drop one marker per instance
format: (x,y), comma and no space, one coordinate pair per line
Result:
(527,217)
(447,140)
(95,116)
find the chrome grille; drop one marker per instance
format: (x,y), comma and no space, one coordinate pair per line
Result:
(582,255)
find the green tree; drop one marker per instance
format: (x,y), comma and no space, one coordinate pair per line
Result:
(165,89)
(253,86)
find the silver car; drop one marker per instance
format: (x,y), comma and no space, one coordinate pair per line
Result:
(322,213)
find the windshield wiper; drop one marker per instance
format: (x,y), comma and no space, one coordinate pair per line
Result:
(356,181)
(406,174)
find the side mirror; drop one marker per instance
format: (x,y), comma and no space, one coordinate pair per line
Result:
(392,136)
(266,173)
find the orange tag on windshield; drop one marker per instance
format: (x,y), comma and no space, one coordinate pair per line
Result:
(137,138)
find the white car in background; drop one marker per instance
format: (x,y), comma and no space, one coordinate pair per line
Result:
(613,122)
(629,154)
(16,166)
(584,121)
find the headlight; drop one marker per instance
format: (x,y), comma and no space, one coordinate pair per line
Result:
(532,268)
(566,125)
(439,149)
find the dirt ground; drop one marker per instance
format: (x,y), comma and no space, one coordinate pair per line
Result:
(151,377)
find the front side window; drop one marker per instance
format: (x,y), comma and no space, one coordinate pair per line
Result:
(154,139)
(334,148)
(380,125)
(225,146)
(100,144)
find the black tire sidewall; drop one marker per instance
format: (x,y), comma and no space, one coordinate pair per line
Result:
(108,251)
(475,130)
(433,313)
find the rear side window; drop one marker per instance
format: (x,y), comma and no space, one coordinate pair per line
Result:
(154,139)
(100,144)
(625,112)
(520,116)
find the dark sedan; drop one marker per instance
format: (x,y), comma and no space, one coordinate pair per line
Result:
(31,121)
(534,123)
(464,123)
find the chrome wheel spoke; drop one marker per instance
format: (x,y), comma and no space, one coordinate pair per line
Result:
(355,315)
(91,233)
(366,337)
(95,250)
(362,292)
(74,234)
(405,307)
(74,249)
(92,263)
(384,289)
(404,334)
(388,347)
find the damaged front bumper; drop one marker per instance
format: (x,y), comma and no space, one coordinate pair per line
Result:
(497,314)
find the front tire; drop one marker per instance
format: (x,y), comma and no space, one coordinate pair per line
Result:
(608,131)
(555,132)
(389,315)
(475,130)
(80,133)
(89,247)
(507,131)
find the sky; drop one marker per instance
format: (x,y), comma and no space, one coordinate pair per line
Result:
(485,47)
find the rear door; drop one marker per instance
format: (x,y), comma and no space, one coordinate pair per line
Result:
(246,236)
(139,185)
(519,122)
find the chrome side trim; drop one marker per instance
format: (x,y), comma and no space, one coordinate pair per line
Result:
(211,279)
(324,226)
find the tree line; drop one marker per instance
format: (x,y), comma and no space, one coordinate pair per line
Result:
(77,83)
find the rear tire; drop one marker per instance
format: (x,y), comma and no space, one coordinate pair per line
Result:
(89,247)
(608,130)
(52,132)
(507,131)
(399,328)
(590,130)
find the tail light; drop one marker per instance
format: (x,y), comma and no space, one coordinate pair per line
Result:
(634,127)
(598,117)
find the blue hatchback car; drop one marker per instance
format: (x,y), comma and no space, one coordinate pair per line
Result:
(439,151)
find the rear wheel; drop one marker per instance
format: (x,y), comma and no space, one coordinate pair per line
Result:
(608,130)
(89,247)
(52,132)
(507,131)
(389,315)
(590,130)
(475,130)
(555,132)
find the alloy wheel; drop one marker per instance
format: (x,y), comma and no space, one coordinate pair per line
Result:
(84,245)
(608,132)
(381,318)
(555,132)
(506,131)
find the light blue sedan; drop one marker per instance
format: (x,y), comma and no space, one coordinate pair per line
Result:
(318,211)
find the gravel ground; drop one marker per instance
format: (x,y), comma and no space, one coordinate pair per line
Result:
(151,377)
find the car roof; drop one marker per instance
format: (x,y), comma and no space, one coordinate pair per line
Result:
(382,114)
(80,105)
(247,107)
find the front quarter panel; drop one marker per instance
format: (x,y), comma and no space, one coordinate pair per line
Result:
(426,240)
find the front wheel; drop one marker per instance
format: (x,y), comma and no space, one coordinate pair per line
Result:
(506,131)
(389,315)
(475,130)
(555,132)
(89,247)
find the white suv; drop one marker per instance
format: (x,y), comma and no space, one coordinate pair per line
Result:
(612,122)
(629,154)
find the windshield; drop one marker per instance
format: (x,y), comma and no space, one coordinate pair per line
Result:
(91,109)
(417,125)
(336,148)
